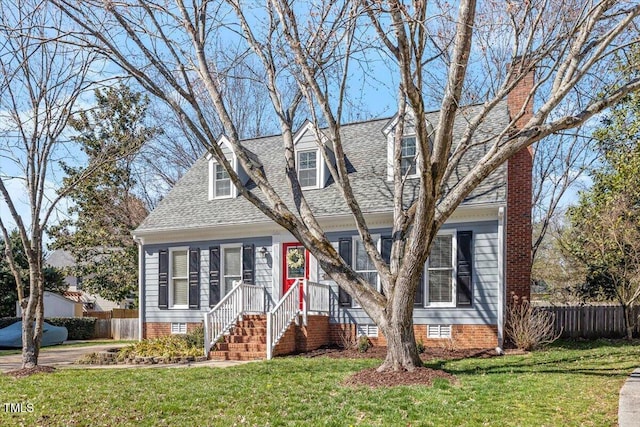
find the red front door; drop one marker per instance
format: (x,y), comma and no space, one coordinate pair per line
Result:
(295,265)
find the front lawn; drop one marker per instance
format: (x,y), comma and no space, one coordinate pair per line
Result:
(569,384)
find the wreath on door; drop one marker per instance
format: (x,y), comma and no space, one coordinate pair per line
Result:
(295,259)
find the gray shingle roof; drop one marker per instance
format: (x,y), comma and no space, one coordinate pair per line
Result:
(187,205)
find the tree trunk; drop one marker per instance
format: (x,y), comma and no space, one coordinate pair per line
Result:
(628,323)
(402,352)
(33,315)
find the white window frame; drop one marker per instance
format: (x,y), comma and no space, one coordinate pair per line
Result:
(223,282)
(415,157)
(171,277)
(298,163)
(454,267)
(212,178)
(354,241)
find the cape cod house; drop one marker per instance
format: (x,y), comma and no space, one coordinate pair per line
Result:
(208,256)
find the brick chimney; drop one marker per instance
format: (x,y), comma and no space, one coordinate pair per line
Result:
(519,199)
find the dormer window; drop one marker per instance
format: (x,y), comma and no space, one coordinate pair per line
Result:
(221,182)
(308,169)
(408,156)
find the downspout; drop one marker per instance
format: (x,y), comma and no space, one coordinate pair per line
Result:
(141,307)
(502,301)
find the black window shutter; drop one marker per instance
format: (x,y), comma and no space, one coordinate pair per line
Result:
(385,251)
(194,279)
(464,279)
(248,264)
(419,298)
(214,275)
(386,243)
(163,278)
(344,247)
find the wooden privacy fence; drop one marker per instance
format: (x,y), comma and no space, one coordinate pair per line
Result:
(119,324)
(592,321)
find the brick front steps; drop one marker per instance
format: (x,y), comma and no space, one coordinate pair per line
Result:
(246,341)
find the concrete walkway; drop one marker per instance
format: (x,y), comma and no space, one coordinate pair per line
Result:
(629,406)
(65,356)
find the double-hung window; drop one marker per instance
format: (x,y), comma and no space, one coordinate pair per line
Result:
(308,169)
(221,182)
(231,267)
(363,265)
(179,278)
(408,151)
(441,271)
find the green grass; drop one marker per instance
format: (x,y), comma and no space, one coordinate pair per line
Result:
(568,384)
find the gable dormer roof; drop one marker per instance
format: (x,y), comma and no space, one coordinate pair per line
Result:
(365,145)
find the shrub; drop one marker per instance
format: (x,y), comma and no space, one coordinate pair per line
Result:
(167,347)
(528,328)
(420,346)
(80,328)
(348,340)
(363,344)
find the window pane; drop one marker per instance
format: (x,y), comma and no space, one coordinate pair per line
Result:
(307,178)
(232,262)
(363,262)
(440,289)
(179,262)
(180,292)
(407,156)
(221,173)
(307,169)
(370,277)
(441,252)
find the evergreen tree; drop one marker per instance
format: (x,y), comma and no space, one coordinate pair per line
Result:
(105,209)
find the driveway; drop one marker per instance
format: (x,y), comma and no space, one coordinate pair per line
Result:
(65,356)
(55,356)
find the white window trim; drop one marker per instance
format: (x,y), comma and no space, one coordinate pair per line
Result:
(212,180)
(319,167)
(171,251)
(390,152)
(354,241)
(454,264)
(223,248)
(416,158)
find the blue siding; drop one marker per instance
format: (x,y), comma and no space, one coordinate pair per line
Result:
(484,308)
(154,314)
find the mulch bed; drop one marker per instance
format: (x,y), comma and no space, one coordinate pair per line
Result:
(25,372)
(420,376)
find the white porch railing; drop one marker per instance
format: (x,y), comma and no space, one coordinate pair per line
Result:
(280,317)
(315,299)
(241,300)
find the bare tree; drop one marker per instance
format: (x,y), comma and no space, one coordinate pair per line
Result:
(559,163)
(41,80)
(307,52)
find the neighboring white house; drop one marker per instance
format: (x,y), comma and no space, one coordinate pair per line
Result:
(57,306)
